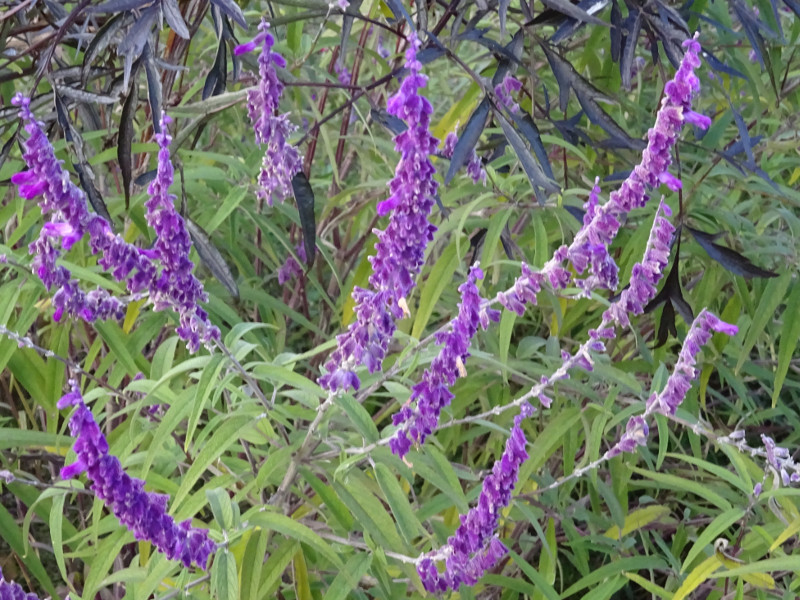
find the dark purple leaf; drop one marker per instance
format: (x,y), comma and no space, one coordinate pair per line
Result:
(304,197)
(528,128)
(125,139)
(146,177)
(794,5)
(398,10)
(599,117)
(539,181)
(211,257)
(570,26)
(116,6)
(633,25)
(381,116)
(230,8)
(153,87)
(218,75)
(732,261)
(503,13)
(565,7)
(616,31)
(100,41)
(468,139)
(718,65)
(134,42)
(172,14)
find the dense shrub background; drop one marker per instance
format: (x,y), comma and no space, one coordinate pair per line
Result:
(307,512)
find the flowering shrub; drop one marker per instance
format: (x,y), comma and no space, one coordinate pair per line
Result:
(525,350)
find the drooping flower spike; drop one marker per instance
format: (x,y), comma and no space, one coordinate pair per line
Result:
(175,287)
(420,416)
(143,513)
(400,250)
(281,160)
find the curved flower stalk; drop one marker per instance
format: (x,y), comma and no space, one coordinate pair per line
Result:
(433,393)
(281,160)
(176,287)
(400,250)
(13,591)
(466,561)
(143,513)
(651,171)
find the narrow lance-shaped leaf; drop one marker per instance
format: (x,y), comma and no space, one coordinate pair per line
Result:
(304,196)
(634,26)
(172,14)
(153,87)
(468,139)
(125,139)
(134,42)
(565,7)
(115,6)
(100,41)
(230,8)
(538,179)
(212,258)
(397,8)
(731,260)
(571,26)
(218,74)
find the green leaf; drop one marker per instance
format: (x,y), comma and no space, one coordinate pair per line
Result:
(221,507)
(407,522)
(223,578)
(790,332)
(641,517)
(538,580)
(632,563)
(772,296)
(698,575)
(349,578)
(370,516)
(252,563)
(438,471)
(11,534)
(273,569)
(224,436)
(296,531)
(693,487)
(360,417)
(440,278)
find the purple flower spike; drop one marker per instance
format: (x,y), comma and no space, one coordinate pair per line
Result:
(177,287)
(143,513)
(590,246)
(433,393)
(70,220)
(272,130)
(400,251)
(646,274)
(474,548)
(680,381)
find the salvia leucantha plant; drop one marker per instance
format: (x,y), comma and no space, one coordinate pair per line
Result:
(384,299)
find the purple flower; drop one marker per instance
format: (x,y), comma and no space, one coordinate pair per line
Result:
(680,381)
(592,241)
(291,268)
(13,591)
(400,250)
(433,393)
(70,219)
(176,287)
(143,513)
(504,91)
(645,274)
(281,160)
(473,548)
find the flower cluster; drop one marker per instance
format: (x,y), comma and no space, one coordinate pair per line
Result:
(680,381)
(291,268)
(143,513)
(652,170)
(400,250)
(504,91)
(433,393)
(176,287)
(13,591)
(281,160)
(474,548)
